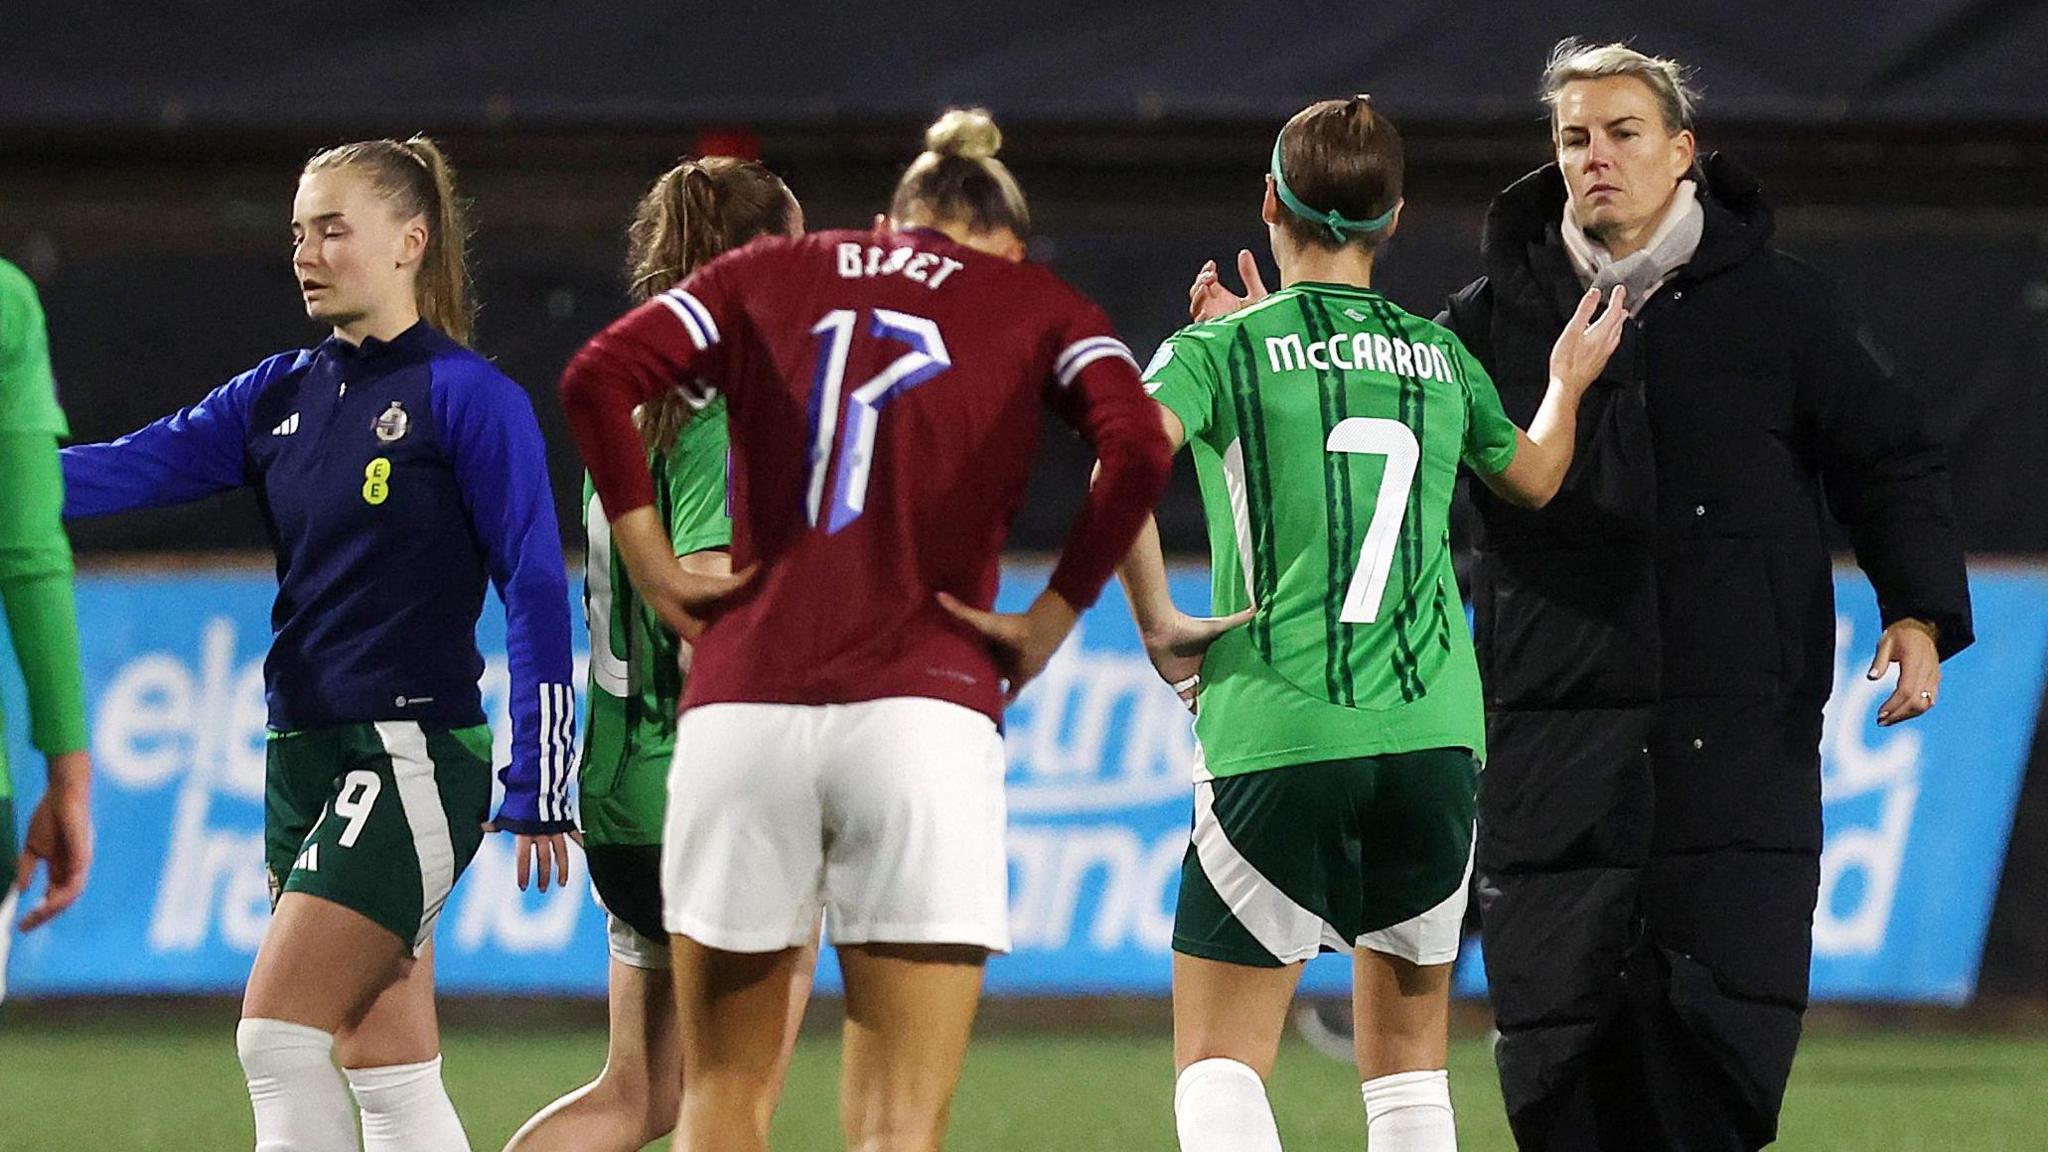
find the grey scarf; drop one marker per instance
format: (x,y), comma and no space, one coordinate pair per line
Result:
(1642,273)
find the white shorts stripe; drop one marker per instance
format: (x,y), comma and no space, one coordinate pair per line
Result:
(1082,353)
(698,310)
(1281,926)
(1430,937)
(420,795)
(682,313)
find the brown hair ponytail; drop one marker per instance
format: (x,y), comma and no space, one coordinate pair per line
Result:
(418,180)
(1340,156)
(695,211)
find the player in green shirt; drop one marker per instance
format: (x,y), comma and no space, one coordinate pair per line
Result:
(638,667)
(35,586)
(1339,724)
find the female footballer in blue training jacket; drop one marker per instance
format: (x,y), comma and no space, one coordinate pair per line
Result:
(398,471)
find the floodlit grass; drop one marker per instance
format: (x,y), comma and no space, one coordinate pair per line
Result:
(141,1081)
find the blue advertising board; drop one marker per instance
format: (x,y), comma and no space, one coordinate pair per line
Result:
(1099,750)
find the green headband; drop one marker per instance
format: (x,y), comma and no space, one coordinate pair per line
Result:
(1335,221)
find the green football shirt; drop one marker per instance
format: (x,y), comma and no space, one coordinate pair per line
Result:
(35,557)
(28,391)
(1327,427)
(635,680)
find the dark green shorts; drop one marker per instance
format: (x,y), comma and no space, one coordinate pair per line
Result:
(1367,853)
(628,882)
(381,818)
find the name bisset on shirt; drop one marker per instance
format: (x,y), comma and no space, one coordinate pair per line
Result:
(859,261)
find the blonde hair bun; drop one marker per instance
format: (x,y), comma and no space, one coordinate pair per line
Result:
(969,133)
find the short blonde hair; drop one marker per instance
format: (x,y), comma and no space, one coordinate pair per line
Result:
(1668,80)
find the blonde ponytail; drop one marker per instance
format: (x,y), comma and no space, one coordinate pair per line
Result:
(444,289)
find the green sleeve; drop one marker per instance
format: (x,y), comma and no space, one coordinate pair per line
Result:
(1183,377)
(694,484)
(28,391)
(35,583)
(1490,437)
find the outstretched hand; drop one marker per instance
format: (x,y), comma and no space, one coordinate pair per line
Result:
(1022,642)
(1178,649)
(1209,299)
(1582,349)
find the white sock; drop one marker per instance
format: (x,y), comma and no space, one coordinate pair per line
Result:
(406,1109)
(1410,1112)
(296,1092)
(1220,1106)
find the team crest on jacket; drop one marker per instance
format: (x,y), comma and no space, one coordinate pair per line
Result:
(392,425)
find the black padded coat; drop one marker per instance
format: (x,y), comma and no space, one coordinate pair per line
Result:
(1657,645)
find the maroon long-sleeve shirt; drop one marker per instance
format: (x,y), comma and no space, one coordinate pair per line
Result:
(884,394)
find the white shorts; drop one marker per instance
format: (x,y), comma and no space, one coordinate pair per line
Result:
(887,813)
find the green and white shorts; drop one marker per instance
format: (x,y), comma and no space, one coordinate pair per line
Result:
(1371,853)
(626,879)
(380,818)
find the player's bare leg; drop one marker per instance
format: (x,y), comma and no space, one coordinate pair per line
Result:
(734,1010)
(1227,1024)
(392,1058)
(1401,1036)
(320,968)
(635,1099)
(1232,1011)
(909,1010)
(401,1026)
(1401,1013)
(799,999)
(321,965)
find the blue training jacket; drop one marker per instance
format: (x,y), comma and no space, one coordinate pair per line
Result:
(394,479)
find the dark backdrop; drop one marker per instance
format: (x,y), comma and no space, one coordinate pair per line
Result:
(162,259)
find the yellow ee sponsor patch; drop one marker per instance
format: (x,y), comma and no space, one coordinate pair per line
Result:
(377,481)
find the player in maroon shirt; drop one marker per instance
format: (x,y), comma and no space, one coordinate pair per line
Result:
(839,742)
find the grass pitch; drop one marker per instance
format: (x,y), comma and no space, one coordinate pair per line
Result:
(133,1079)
